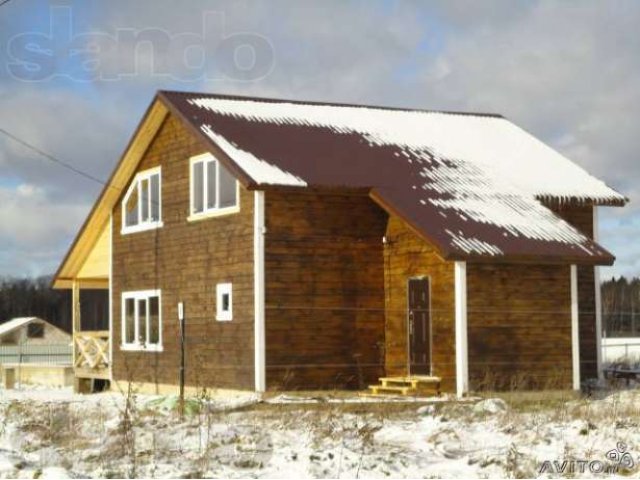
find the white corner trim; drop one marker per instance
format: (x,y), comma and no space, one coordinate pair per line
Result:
(598,299)
(575,328)
(259,292)
(462,354)
(111,337)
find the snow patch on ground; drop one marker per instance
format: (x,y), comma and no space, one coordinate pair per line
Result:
(56,434)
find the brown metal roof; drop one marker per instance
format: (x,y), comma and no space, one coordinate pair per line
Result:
(460,204)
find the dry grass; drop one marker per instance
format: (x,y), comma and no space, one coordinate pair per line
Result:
(329,422)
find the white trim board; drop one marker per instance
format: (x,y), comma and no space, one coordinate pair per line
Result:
(575,328)
(111,336)
(259,292)
(462,354)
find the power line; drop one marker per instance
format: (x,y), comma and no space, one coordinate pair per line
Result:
(4,2)
(49,156)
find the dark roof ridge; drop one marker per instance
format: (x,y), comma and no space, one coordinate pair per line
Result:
(327,104)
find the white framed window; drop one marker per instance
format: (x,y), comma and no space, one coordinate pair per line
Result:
(214,191)
(142,204)
(142,320)
(224,302)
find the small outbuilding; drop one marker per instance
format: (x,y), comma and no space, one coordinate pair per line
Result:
(32,331)
(33,351)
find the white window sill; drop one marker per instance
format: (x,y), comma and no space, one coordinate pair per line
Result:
(142,228)
(140,348)
(219,212)
(223,318)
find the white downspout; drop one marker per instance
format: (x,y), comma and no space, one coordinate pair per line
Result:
(575,328)
(462,355)
(259,292)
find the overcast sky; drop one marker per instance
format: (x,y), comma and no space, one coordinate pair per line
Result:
(76,77)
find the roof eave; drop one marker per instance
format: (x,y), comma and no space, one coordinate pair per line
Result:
(613,201)
(541,259)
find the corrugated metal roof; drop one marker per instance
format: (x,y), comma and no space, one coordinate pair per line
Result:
(15,323)
(469,183)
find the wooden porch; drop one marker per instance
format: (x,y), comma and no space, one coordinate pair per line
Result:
(91,349)
(91,355)
(413,385)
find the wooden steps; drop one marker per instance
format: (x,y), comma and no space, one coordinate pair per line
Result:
(406,386)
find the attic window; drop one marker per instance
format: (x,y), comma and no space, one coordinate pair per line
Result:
(141,206)
(35,330)
(214,191)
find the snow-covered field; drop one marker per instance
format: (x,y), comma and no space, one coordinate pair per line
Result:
(55,434)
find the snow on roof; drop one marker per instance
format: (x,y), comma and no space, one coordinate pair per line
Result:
(15,323)
(501,149)
(470,183)
(261,171)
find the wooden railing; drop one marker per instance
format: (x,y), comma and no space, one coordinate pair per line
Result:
(91,351)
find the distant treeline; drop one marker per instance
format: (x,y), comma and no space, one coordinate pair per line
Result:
(34,298)
(621,307)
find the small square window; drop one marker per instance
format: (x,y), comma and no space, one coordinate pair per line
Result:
(35,330)
(224,302)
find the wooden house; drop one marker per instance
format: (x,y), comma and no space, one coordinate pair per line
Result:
(318,246)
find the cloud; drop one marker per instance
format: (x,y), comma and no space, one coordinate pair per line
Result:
(34,231)
(68,126)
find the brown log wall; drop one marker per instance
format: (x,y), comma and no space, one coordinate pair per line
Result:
(185,260)
(324,290)
(519,326)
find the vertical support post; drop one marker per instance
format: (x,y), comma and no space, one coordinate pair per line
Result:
(462,355)
(598,300)
(75,315)
(259,292)
(181,371)
(111,337)
(575,328)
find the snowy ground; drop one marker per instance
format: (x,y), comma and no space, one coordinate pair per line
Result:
(55,434)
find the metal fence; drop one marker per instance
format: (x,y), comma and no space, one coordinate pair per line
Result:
(621,349)
(58,354)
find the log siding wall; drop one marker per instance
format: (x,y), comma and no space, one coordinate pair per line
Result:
(324,290)
(519,326)
(581,217)
(407,255)
(185,260)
